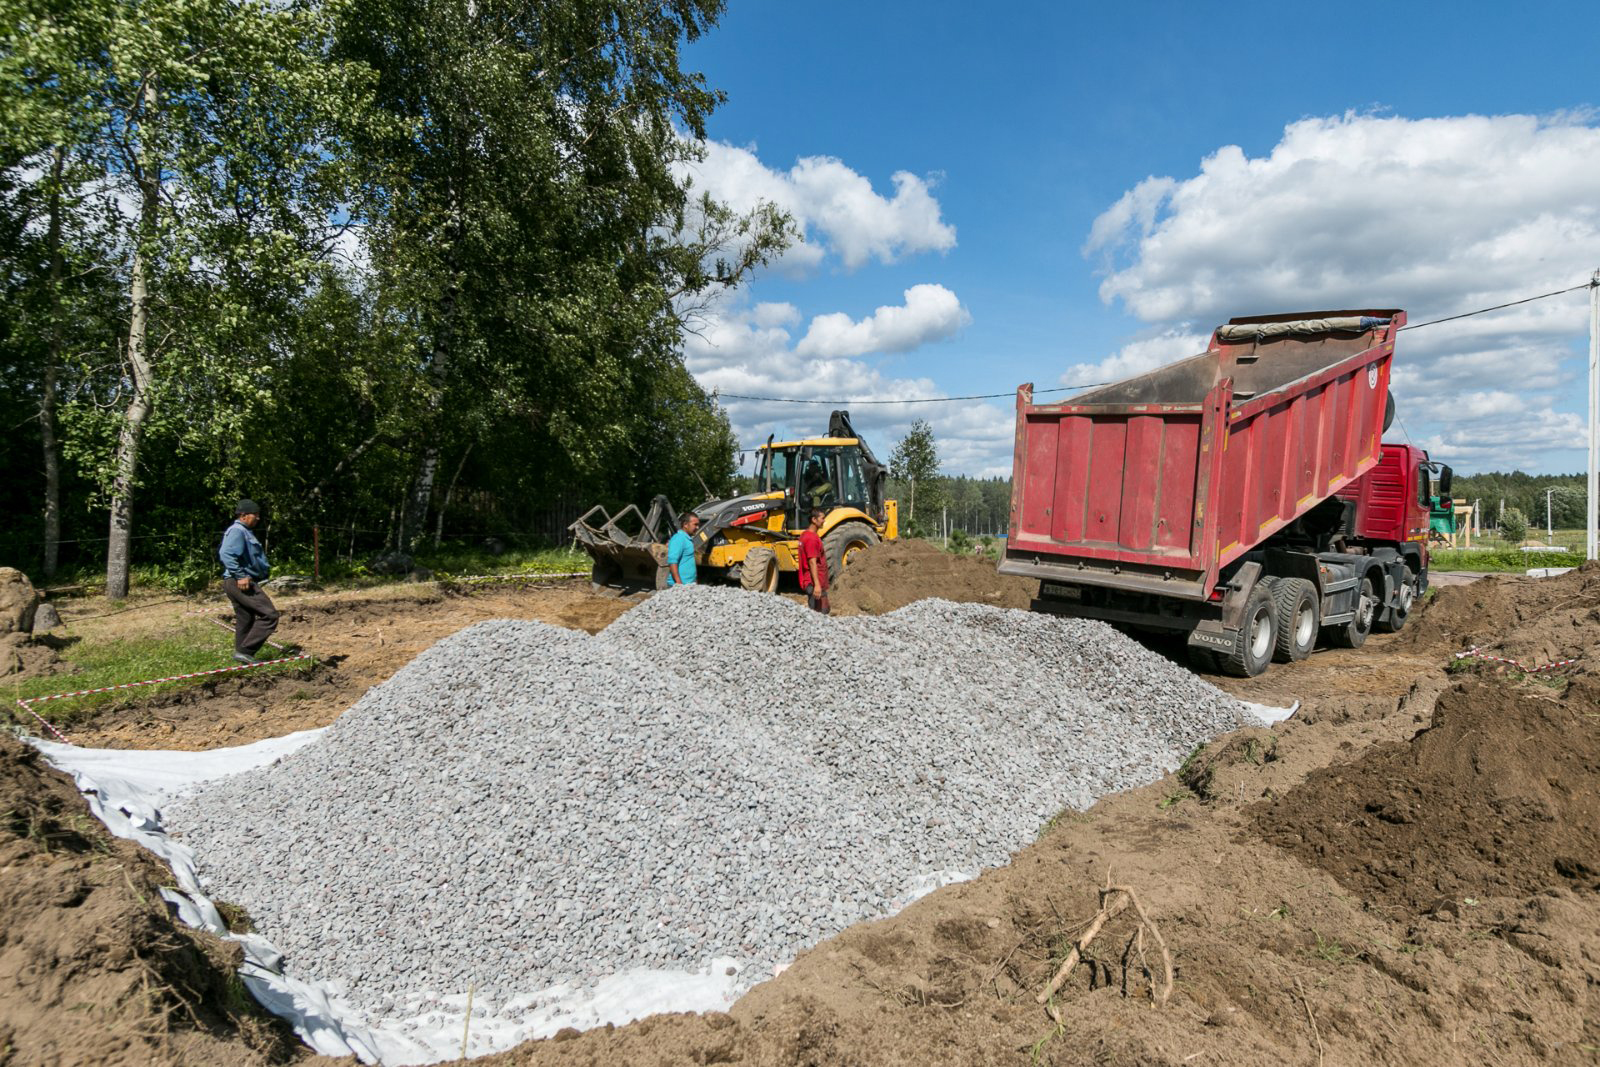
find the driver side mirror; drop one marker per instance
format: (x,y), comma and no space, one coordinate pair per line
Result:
(1444,481)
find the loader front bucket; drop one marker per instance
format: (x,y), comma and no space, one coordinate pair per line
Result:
(629,548)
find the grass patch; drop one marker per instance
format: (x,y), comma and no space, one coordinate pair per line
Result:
(195,646)
(1174,798)
(1331,951)
(1499,560)
(199,572)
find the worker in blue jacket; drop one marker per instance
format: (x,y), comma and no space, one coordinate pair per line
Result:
(244,567)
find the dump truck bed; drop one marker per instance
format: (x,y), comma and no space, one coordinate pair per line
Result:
(1157,483)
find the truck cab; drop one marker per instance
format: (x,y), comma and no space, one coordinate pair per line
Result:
(1395,502)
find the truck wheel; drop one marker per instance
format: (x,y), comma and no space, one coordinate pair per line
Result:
(842,544)
(1203,660)
(1405,600)
(1256,638)
(1295,603)
(759,571)
(1353,634)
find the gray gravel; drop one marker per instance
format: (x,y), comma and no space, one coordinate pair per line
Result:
(716,774)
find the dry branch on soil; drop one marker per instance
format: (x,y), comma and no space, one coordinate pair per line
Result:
(1114,900)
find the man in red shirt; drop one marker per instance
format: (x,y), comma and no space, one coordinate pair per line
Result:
(814,563)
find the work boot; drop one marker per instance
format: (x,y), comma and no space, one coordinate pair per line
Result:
(246,658)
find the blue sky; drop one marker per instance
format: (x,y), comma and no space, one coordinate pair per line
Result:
(1084,192)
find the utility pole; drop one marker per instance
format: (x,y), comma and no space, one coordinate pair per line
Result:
(1593,547)
(1549,527)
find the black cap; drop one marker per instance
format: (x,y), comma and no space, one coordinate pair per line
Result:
(247,507)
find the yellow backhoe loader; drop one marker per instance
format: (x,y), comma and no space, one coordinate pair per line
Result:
(753,539)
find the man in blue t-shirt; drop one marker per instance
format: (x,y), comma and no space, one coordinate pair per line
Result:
(244,568)
(680,552)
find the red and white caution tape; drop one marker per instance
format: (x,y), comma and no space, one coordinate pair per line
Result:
(26,704)
(1474,653)
(61,736)
(514,577)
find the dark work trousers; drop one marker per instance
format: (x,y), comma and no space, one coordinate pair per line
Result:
(254,617)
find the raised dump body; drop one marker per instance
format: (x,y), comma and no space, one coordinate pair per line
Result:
(1169,489)
(1159,482)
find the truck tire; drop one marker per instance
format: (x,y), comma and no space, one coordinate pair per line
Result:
(1353,634)
(1203,660)
(1299,614)
(759,571)
(1256,638)
(843,542)
(1395,619)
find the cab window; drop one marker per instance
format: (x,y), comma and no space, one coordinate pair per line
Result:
(852,486)
(819,482)
(780,466)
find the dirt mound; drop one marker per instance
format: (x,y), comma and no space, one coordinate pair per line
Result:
(892,575)
(1500,796)
(93,969)
(1534,620)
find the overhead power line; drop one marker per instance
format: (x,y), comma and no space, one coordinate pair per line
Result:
(1498,307)
(717,394)
(921,400)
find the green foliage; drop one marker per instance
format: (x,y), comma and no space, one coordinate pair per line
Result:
(914,463)
(960,541)
(415,268)
(1526,493)
(1514,525)
(1506,561)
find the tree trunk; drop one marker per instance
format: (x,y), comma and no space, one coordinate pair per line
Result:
(125,464)
(416,509)
(47,397)
(416,506)
(449,493)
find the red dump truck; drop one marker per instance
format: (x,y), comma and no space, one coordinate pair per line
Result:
(1242,497)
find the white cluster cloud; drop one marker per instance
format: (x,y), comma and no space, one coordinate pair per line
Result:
(835,208)
(751,350)
(930,313)
(1437,216)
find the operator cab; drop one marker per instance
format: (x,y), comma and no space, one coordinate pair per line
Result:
(826,473)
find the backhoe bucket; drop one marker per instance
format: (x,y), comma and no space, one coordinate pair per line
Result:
(630,547)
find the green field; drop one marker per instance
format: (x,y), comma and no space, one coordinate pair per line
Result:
(198,645)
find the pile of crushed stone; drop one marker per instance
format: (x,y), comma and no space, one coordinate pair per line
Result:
(715,775)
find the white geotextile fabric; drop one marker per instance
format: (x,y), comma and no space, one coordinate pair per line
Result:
(125,788)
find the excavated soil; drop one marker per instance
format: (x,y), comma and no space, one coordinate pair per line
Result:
(1499,796)
(1403,872)
(93,969)
(892,575)
(1533,620)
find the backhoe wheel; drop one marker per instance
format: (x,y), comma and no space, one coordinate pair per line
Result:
(759,571)
(1256,638)
(842,545)
(1353,634)
(1294,600)
(1405,601)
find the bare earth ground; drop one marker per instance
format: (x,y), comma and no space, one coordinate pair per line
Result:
(1405,872)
